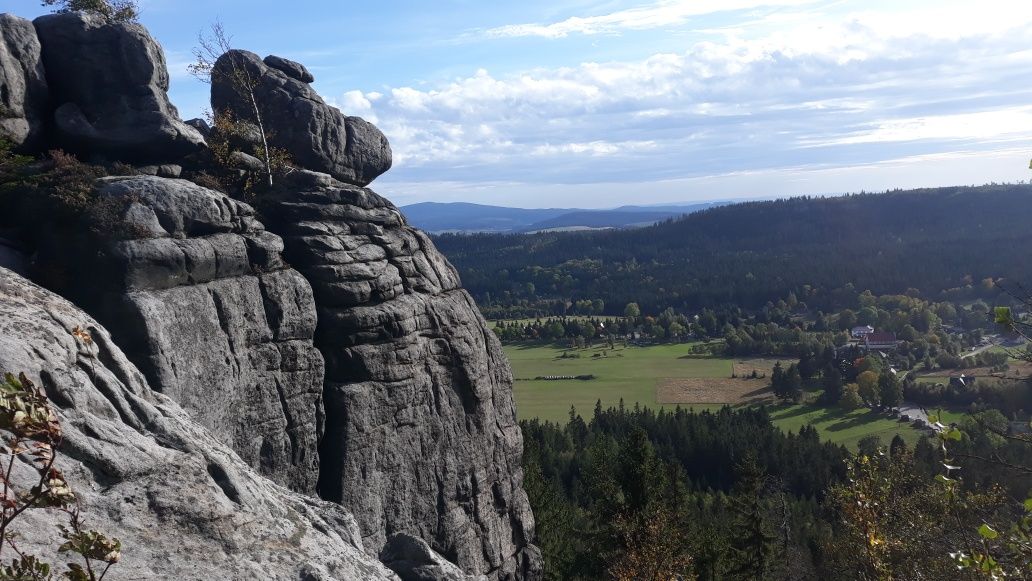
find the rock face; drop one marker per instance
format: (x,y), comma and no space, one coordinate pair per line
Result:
(366,375)
(317,136)
(183,504)
(413,560)
(108,82)
(292,69)
(421,428)
(201,300)
(24,101)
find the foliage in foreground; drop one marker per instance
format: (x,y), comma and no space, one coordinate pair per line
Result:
(33,434)
(726,495)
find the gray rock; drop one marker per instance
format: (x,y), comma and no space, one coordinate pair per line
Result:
(241,160)
(109,84)
(205,307)
(184,505)
(168,170)
(24,98)
(200,125)
(421,431)
(292,69)
(317,136)
(413,560)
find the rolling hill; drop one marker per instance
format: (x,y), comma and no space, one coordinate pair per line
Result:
(746,254)
(437,217)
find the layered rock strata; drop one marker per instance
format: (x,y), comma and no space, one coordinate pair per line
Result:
(421,428)
(200,297)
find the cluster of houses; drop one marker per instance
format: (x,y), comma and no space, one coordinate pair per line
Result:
(873,340)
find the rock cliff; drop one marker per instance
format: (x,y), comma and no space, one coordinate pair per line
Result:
(205,306)
(184,505)
(421,428)
(106,85)
(320,342)
(24,100)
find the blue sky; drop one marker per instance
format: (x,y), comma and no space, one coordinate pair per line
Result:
(602,103)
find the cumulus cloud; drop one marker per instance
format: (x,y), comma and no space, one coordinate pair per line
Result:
(866,88)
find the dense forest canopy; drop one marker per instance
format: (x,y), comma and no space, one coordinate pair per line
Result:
(932,240)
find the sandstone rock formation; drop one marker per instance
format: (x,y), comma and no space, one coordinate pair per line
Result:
(317,136)
(421,428)
(292,69)
(203,304)
(108,82)
(183,504)
(413,560)
(24,101)
(409,425)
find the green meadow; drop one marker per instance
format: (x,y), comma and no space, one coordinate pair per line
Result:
(633,374)
(629,373)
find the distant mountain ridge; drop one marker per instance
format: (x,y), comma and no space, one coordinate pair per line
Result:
(440,217)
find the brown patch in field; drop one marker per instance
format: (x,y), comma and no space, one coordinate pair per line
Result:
(745,367)
(713,390)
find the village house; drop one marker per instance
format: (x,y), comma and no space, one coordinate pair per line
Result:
(861,332)
(880,341)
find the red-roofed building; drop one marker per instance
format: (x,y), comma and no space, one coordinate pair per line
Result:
(880,341)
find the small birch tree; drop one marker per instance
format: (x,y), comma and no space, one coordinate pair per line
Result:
(212,46)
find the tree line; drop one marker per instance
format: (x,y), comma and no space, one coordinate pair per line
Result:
(942,243)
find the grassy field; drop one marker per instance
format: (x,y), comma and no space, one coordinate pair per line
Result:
(630,373)
(638,374)
(846,428)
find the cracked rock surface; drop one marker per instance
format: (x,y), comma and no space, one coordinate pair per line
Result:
(24,98)
(421,435)
(203,304)
(184,505)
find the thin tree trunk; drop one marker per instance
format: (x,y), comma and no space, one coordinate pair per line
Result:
(265,141)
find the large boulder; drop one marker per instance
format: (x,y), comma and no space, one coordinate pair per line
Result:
(108,82)
(421,435)
(24,100)
(184,505)
(317,136)
(198,295)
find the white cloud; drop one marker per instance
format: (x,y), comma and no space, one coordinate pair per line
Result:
(985,126)
(865,88)
(658,15)
(594,148)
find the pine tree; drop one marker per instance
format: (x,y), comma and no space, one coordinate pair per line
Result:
(753,545)
(889,389)
(831,381)
(777,381)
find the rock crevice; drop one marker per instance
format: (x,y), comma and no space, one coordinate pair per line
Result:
(421,432)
